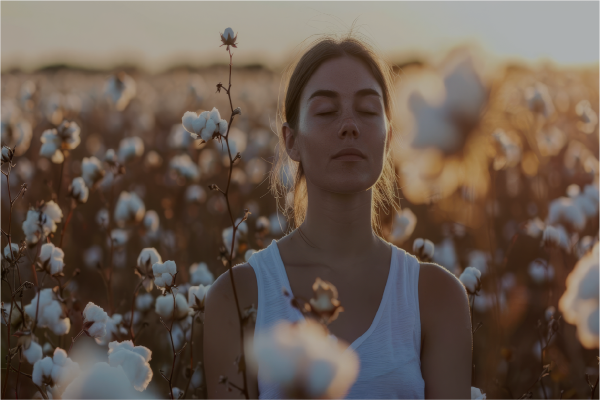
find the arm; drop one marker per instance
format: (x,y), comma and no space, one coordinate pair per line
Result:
(222,332)
(446,348)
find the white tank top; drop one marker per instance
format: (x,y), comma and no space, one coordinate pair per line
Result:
(389,351)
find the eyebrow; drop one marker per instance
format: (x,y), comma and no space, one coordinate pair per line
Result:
(333,94)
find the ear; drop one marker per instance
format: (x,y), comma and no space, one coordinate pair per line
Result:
(291,146)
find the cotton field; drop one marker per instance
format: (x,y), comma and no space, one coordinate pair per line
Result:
(125,195)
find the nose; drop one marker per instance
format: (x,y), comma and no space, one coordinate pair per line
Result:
(348,128)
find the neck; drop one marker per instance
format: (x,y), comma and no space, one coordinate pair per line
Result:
(339,224)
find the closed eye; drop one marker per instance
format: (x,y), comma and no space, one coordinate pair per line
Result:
(367,112)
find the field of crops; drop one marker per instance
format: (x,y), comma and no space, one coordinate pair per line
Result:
(106,199)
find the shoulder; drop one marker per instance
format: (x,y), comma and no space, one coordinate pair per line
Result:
(440,294)
(221,294)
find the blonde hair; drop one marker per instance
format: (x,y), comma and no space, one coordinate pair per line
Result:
(288,174)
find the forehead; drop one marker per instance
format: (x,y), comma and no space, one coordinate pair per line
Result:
(345,75)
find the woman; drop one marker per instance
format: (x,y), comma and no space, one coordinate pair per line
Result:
(408,322)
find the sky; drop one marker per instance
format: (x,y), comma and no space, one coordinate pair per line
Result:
(157,35)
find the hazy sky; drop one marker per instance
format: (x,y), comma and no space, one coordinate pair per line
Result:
(156,35)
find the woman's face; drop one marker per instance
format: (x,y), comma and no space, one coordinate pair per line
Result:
(341,107)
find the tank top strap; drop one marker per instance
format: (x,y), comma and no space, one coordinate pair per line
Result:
(272,304)
(407,295)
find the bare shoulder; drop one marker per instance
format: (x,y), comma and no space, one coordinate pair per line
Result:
(221,291)
(440,293)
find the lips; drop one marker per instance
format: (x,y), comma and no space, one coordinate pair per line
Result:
(349,153)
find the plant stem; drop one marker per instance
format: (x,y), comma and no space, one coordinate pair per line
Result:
(132,309)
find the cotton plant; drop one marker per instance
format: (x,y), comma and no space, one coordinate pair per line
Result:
(184,167)
(32,351)
(118,238)
(41,221)
(556,237)
(129,149)
(579,303)
(304,360)
(197,297)
(78,190)
(540,271)
(144,302)
(129,209)
(240,233)
(195,194)
(58,140)
(477,394)
(92,170)
(146,259)
(51,313)
(51,259)
(164,307)
(164,275)
(15,317)
(114,328)
(120,89)
(151,222)
(204,126)
(447,124)
(94,320)
(403,225)
(134,360)
(12,252)
(200,274)
(471,279)
(423,249)
(179,138)
(56,372)
(7,155)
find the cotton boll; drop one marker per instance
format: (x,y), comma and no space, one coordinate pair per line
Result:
(104,382)
(52,258)
(130,148)
(164,273)
(424,249)
(134,361)
(50,313)
(78,190)
(144,302)
(565,211)
(540,271)
(302,358)
(58,371)
(148,257)
(53,211)
(177,393)
(91,170)
(129,208)
(33,353)
(200,274)
(42,371)
(102,217)
(96,318)
(404,225)
(222,127)
(195,194)
(579,304)
(187,121)
(215,116)
(477,394)
(113,325)
(164,306)
(470,279)
(11,256)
